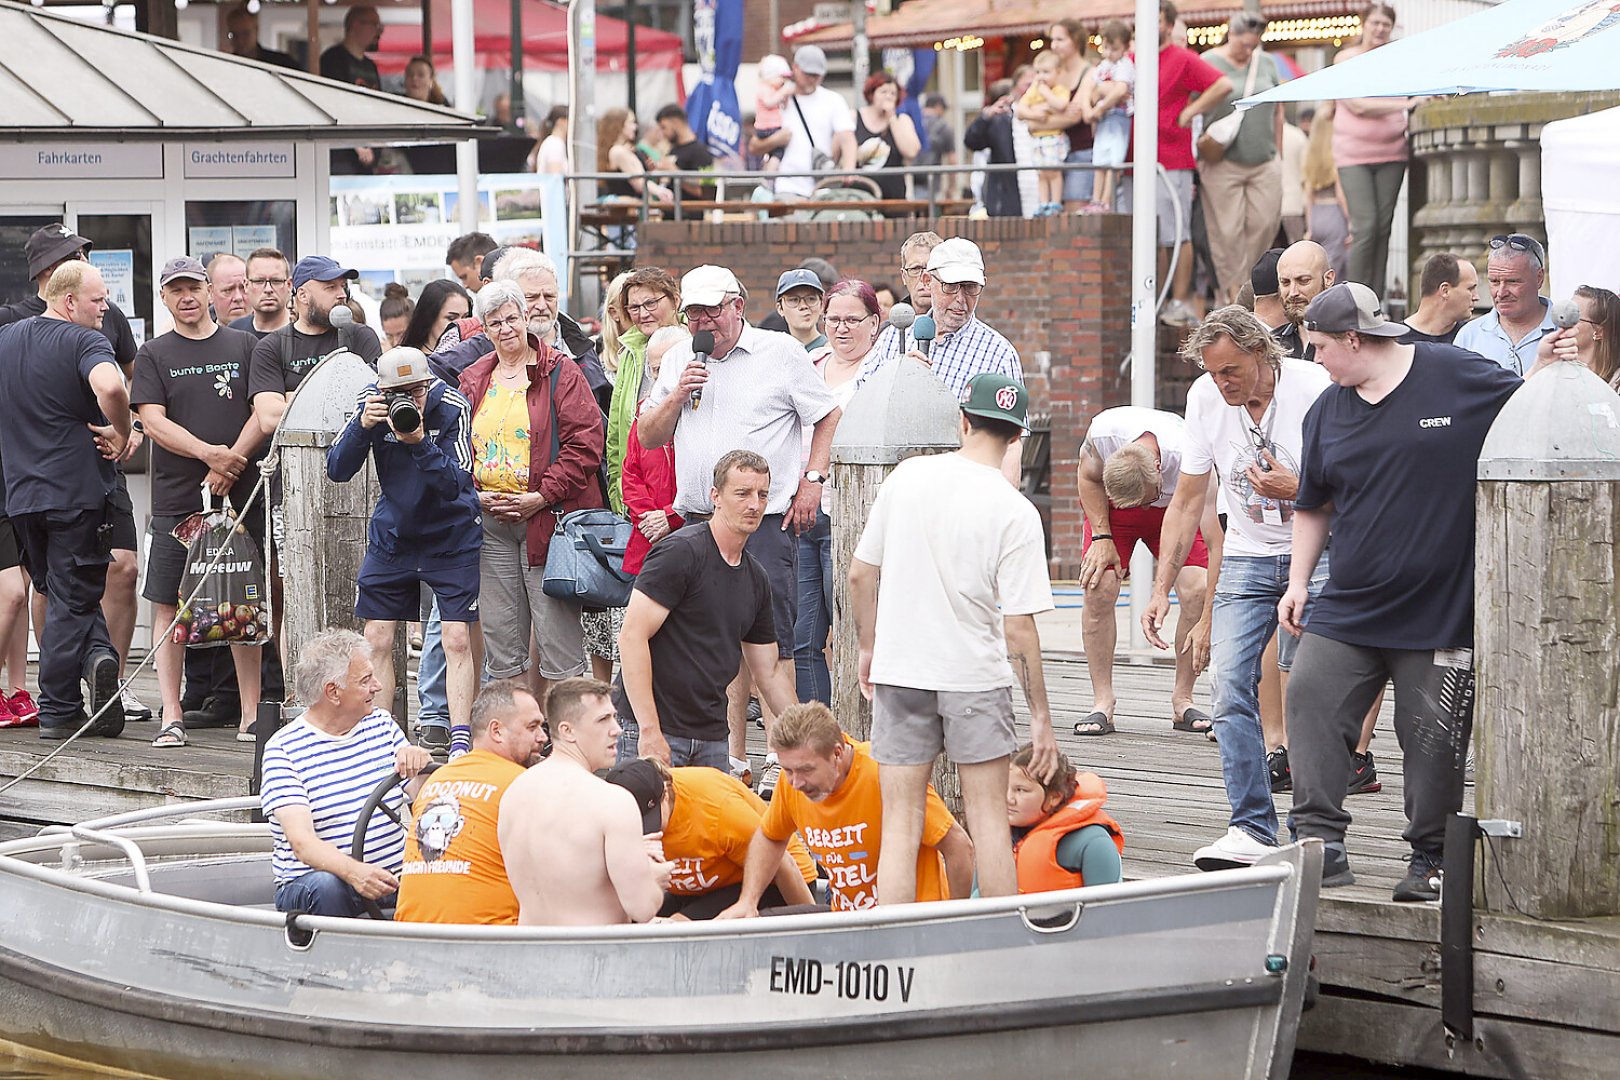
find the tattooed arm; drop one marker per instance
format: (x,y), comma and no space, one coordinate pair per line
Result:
(1024,652)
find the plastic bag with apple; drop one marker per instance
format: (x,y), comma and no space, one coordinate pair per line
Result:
(228,608)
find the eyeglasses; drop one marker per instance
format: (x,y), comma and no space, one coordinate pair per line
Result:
(836,321)
(506,323)
(646,307)
(913,271)
(268,282)
(969,289)
(800,301)
(1520,242)
(704,311)
(1258,441)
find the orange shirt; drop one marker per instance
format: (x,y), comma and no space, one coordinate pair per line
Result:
(709,830)
(845,831)
(453,869)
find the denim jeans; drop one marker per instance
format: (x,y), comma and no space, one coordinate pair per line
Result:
(433,698)
(1241,623)
(320,892)
(810,630)
(1078,184)
(715,753)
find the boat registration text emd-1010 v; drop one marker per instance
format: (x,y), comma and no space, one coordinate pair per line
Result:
(847,979)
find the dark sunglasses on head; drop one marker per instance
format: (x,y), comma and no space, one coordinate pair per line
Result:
(1520,242)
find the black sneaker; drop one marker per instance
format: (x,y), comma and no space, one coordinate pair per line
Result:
(1336,867)
(755,712)
(1363,776)
(216,712)
(1422,880)
(58,732)
(435,739)
(1277,762)
(101,675)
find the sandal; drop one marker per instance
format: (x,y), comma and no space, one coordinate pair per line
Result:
(1193,719)
(171,735)
(246,736)
(1098,723)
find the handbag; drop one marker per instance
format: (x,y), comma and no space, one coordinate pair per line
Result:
(1219,136)
(585,562)
(820,160)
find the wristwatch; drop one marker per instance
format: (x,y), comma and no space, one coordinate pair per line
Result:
(815,477)
(136,425)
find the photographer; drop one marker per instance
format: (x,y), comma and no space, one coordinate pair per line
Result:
(425,529)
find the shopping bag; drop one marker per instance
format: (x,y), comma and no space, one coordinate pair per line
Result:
(225,572)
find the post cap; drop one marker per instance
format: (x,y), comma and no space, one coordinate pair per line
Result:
(1563,424)
(901,410)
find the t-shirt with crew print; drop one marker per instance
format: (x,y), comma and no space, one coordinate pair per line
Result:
(844,832)
(202,386)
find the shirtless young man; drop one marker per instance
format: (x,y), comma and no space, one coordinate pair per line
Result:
(572,842)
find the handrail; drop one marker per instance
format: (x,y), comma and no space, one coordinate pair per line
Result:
(158,813)
(131,850)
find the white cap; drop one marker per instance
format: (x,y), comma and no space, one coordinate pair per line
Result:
(402,366)
(710,285)
(957,260)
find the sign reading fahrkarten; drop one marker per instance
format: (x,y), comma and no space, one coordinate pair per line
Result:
(82,161)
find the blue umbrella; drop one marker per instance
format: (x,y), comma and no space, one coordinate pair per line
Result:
(1519,45)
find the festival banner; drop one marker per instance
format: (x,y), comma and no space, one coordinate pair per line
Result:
(712,109)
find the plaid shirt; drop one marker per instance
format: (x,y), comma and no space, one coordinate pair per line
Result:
(955,358)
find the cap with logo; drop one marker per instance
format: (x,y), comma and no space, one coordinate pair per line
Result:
(798,278)
(319,268)
(641,780)
(707,286)
(1349,307)
(182,266)
(997,397)
(1263,278)
(810,60)
(402,366)
(50,245)
(957,260)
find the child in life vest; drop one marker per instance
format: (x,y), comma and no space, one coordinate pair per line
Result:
(1062,838)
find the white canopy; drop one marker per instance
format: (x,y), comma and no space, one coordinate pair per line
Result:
(1580,159)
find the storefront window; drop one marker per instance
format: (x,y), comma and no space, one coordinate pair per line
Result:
(241,227)
(123,254)
(15,229)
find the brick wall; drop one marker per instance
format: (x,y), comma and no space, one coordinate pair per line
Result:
(757,40)
(1059,289)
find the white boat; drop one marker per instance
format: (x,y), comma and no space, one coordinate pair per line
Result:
(151,944)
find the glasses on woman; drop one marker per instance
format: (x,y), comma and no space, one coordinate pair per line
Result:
(969,289)
(646,307)
(835,322)
(506,323)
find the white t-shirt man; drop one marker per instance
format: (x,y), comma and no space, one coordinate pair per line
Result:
(1114,428)
(959,549)
(1226,438)
(827,113)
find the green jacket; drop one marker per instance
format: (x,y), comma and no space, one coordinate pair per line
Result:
(622,409)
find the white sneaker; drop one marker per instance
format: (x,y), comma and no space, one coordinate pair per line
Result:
(134,708)
(768,777)
(1236,848)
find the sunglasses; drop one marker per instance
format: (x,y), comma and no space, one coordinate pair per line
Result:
(1520,242)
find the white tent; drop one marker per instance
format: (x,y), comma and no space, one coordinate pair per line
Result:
(1580,158)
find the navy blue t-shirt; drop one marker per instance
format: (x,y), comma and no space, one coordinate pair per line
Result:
(51,457)
(1400,475)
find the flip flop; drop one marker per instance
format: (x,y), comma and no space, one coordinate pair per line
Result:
(172,735)
(1193,719)
(246,736)
(1098,723)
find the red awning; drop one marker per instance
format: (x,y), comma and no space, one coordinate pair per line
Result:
(545,40)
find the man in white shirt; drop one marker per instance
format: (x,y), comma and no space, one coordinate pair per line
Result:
(1130,463)
(962,561)
(1245,418)
(819,119)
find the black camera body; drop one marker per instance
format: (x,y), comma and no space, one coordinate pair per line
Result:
(403,415)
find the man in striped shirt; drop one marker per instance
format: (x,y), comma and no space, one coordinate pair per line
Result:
(319,771)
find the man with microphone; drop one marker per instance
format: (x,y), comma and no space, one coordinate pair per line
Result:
(753,390)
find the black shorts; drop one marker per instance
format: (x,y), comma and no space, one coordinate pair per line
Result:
(390,592)
(121,514)
(166,558)
(10,545)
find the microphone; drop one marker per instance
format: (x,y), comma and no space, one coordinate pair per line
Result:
(901,316)
(1565,314)
(340,316)
(702,346)
(923,330)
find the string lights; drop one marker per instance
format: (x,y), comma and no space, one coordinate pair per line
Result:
(965,43)
(1334,28)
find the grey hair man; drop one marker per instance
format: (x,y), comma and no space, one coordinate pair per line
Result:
(1245,416)
(228,288)
(914,252)
(1520,316)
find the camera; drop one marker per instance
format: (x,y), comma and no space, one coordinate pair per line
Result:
(403,415)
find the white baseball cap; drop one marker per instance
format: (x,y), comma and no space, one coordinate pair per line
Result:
(957,260)
(710,285)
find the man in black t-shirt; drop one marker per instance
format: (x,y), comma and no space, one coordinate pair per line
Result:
(269,287)
(1390,455)
(701,605)
(687,153)
(1303,271)
(1450,289)
(191,392)
(242,38)
(347,61)
(67,424)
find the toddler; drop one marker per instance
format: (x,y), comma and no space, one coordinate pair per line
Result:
(772,91)
(1044,98)
(1113,102)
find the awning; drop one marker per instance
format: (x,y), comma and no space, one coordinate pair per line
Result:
(545,40)
(66,80)
(923,23)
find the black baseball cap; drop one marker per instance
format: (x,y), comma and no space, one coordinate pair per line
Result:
(642,781)
(1263,278)
(1349,307)
(50,245)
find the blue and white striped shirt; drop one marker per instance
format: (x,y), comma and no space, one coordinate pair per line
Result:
(332,775)
(955,358)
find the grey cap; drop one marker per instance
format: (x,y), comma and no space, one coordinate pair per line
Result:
(810,60)
(798,278)
(1350,307)
(182,266)
(402,366)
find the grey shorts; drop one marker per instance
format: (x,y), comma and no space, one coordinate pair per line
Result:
(514,608)
(911,727)
(1179,191)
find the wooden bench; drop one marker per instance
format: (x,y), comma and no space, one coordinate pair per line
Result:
(1036,471)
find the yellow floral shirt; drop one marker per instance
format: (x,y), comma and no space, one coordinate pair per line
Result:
(500,438)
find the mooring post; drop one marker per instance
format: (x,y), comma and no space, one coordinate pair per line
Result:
(325,523)
(1547,593)
(901,411)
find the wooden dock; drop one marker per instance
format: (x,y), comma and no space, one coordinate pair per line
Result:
(1547,994)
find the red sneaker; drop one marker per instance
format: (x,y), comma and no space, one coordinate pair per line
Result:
(8,719)
(22,707)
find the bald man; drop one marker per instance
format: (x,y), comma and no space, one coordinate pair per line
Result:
(1302,272)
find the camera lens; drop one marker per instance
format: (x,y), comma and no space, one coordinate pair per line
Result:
(403,414)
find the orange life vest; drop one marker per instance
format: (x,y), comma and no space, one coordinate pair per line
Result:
(1036,853)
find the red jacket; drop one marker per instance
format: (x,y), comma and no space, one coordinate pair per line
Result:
(1036,853)
(647,480)
(570,482)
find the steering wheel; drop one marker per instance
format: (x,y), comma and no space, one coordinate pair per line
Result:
(374,802)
